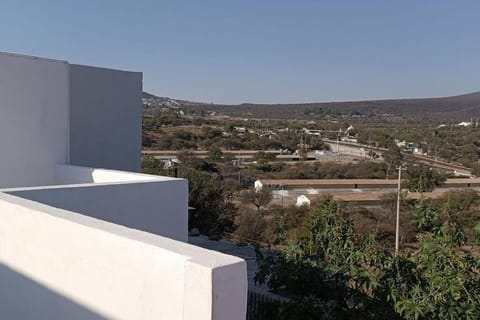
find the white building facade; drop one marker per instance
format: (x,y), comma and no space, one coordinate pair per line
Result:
(77,242)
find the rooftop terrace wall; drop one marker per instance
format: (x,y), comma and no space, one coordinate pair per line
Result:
(154,204)
(33,119)
(68,174)
(63,265)
(105,118)
(52,112)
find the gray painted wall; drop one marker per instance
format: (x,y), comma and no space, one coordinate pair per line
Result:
(33,119)
(105,118)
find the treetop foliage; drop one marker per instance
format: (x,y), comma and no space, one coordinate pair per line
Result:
(423,179)
(327,271)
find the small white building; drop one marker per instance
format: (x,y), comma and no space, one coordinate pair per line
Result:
(465,124)
(349,130)
(258,185)
(240,129)
(302,201)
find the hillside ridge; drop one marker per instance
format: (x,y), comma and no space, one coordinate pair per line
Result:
(458,107)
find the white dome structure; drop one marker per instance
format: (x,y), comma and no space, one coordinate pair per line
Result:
(258,185)
(302,201)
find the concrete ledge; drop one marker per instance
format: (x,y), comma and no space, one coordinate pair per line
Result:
(148,203)
(104,270)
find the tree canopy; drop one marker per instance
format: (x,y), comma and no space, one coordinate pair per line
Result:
(327,271)
(258,197)
(213,210)
(423,179)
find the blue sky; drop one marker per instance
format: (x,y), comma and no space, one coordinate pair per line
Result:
(264,51)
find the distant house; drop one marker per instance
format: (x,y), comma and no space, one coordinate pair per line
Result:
(240,129)
(406,145)
(313,132)
(267,133)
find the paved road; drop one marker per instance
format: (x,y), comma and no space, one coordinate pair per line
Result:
(362,150)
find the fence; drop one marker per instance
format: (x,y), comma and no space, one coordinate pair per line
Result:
(261,306)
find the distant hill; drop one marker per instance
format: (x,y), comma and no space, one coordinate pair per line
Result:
(151,100)
(454,108)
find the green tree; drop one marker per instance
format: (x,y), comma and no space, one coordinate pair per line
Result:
(258,197)
(212,133)
(151,165)
(443,282)
(427,216)
(215,154)
(294,126)
(327,271)
(476,231)
(214,211)
(461,207)
(423,179)
(392,158)
(263,157)
(187,158)
(458,201)
(251,227)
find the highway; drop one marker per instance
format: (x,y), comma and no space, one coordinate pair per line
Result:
(362,150)
(347,151)
(286,184)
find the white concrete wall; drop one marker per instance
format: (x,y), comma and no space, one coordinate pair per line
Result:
(56,264)
(52,113)
(105,118)
(67,174)
(159,207)
(33,119)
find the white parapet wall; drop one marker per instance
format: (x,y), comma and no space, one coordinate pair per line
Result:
(68,174)
(56,264)
(149,203)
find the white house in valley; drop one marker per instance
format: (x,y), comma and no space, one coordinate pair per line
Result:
(84,235)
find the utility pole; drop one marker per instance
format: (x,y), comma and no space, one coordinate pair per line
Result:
(338,138)
(397,225)
(338,151)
